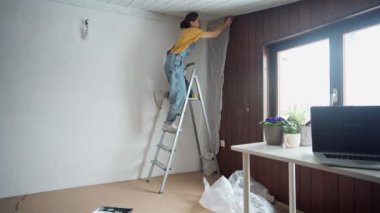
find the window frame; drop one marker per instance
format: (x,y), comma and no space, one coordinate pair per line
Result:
(333,31)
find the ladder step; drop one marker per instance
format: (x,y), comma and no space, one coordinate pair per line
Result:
(171,132)
(194,99)
(166,148)
(159,164)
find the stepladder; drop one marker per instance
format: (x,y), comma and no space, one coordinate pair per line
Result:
(169,146)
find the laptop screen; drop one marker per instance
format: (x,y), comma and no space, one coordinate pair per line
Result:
(346,129)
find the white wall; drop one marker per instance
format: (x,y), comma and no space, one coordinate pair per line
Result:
(76,112)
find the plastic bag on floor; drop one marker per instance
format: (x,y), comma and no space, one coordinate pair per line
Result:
(219,197)
(226,197)
(236,180)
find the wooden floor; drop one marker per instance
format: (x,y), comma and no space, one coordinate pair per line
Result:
(182,194)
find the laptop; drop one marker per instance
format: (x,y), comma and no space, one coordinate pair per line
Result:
(347,136)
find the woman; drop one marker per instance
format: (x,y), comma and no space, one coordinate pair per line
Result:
(174,64)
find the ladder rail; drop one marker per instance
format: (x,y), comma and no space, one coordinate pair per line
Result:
(196,133)
(193,80)
(178,131)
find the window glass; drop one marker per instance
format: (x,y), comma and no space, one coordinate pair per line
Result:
(361,66)
(303,77)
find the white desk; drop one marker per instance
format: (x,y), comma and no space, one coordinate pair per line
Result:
(301,156)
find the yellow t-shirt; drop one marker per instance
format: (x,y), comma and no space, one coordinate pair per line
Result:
(186,38)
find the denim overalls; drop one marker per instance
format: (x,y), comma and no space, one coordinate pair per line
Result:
(174,70)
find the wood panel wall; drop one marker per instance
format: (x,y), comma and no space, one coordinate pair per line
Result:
(242,111)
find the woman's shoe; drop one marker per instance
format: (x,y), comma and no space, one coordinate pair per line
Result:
(169,127)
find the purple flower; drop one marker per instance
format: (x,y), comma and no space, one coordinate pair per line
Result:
(274,121)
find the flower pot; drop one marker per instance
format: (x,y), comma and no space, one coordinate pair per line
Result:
(305,135)
(273,135)
(292,140)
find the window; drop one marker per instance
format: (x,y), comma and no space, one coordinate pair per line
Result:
(361,68)
(303,76)
(337,64)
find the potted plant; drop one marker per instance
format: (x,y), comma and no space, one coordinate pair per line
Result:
(292,134)
(297,114)
(273,130)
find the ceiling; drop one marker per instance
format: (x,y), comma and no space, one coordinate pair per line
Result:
(208,9)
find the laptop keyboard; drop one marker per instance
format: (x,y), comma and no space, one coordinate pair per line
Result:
(353,157)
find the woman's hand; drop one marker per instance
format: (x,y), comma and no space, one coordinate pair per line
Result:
(219,29)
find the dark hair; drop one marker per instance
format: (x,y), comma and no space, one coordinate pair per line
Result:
(192,16)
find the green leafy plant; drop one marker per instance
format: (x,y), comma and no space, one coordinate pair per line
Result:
(296,118)
(297,115)
(291,128)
